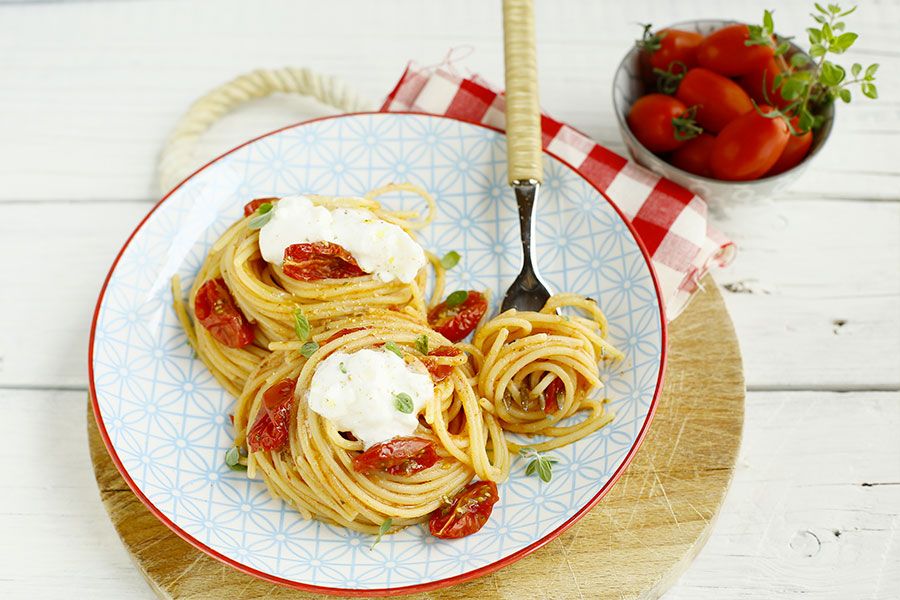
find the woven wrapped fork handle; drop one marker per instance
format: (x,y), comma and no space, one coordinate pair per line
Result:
(523,115)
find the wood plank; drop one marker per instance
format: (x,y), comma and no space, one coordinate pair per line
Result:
(804,459)
(814,507)
(809,265)
(87,103)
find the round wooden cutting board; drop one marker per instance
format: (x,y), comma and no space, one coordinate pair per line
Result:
(634,544)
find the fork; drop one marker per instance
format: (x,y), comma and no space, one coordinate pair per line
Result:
(523,145)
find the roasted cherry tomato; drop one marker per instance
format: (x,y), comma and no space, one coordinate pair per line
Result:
(458,321)
(693,157)
(761,79)
(669,46)
(749,146)
(252,206)
(467,513)
(552,395)
(718,99)
(659,122)
(795,151)
(270,431)
(342,333)
(438,371)
(215,309)
(400,456)
(725,52)
(319,260)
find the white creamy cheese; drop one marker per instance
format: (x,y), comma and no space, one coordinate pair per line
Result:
(379,247)
(358,393)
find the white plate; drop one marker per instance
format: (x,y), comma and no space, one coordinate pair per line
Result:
(164,418)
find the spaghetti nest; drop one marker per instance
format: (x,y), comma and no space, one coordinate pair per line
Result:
(315,472)
(269,299)
(536,369)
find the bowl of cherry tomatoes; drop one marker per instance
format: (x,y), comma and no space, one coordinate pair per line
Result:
(698,105)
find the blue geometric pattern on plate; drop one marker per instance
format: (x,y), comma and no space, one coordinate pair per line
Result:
(166,416)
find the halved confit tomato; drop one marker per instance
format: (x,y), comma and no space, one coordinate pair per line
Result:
(270,430)
(341,333)
(215,309)
(252,206)
(457,316)
(467,513)
(552,394)
(399,456)
(438,371)
(319,260)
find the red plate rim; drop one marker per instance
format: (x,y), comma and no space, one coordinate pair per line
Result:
(410,589)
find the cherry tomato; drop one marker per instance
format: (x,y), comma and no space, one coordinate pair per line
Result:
(458,321)
(725,52)
(749,146)
(270,431)
(215,309)
(693,157)
(653,120)
(718,99)
(252,206)
(552,394)
(400,456)
(342,332)
(319,260)
(795,151)
(669,46)
(757,80)
(439,371)
(467,513)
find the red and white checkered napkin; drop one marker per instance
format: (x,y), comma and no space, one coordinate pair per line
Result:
(670,220)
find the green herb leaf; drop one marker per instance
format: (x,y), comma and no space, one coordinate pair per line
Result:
(422,344)
(301,325)
(233,459)
(343,368)
(261,217)
(817,50)
(456,298)
(831,74)
(403,402)
(849,11)
(843,42)
(792,88)
(768,21)
(815,36)
(845,95)
(799,60)
(385,527)
(308,349)
(449,260)
(806,120)
(856,69)
(540,464)
(870,71)
(869,90)
(392,347)
(820,9)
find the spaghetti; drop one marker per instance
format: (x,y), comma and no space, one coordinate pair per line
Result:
(269,299)
(315,472)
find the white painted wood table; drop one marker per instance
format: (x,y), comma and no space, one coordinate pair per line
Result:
(89,90)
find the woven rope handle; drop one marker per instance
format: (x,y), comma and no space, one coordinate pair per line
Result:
(523,115)
(176,161)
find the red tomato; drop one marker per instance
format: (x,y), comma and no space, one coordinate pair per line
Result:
(439,371)
(718,99)
(252,206)
(342,333)
(693,157)
(749,146)
(456,322)
(795,151)
(270,431)
(724,52)
(400,456)
(467,513)
(215,309)
(652,120)
(764,78)
(672,46)
(319,260)
(552,394)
